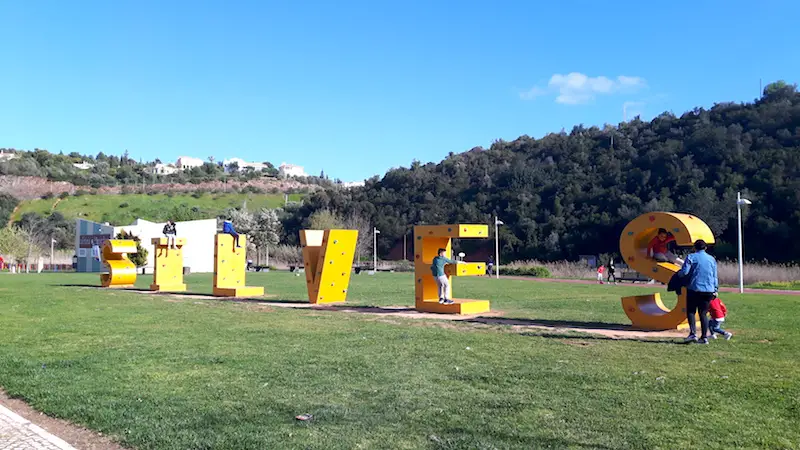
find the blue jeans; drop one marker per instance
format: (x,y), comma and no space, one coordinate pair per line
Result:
(716,327)
(228,229)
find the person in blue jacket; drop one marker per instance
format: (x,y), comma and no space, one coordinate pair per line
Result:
(700,272)
(227,228)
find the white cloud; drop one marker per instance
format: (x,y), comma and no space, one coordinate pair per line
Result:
(577,88)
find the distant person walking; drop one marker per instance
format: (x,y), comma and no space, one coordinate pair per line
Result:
(702,286)
(437,269)
(171,232)
(612,271)
(600,271)
(490,266)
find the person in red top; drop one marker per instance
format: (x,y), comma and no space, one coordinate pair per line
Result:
(2,262)
(718,311)
(657,249)
(600,271)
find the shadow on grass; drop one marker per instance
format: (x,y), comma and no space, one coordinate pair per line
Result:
(187,294)
(366,309)
(581,339)
(554,323)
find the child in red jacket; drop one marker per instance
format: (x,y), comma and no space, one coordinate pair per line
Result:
(718,311)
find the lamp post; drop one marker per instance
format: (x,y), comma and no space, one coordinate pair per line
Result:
(405,245)
(497,223)
(375,234)
(52,246)
(739,203)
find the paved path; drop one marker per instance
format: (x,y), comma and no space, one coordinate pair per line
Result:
(722,289)
(18,433)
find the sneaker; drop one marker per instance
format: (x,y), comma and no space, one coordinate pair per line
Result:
(691,338)
(713,336)
(448,302)
(728,336)
(703,341)
(441,301)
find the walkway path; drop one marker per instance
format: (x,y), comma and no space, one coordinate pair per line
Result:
(18,433)
(658,285)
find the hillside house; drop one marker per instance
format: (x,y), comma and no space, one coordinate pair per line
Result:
(291,170)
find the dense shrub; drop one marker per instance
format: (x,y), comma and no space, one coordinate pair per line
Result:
(536,271)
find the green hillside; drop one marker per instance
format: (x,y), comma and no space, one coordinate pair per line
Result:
(123,209)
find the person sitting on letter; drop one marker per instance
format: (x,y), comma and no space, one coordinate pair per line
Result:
(658,248)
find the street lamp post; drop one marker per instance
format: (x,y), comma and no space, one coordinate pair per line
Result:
(405,245)
(375,234)
(52,247)
(739,203)
(497,223)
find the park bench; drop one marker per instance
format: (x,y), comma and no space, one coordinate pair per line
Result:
(633,277)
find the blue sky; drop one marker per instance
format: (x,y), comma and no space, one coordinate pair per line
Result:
(357,87)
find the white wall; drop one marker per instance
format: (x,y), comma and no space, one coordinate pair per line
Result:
(198,253)
(290,170)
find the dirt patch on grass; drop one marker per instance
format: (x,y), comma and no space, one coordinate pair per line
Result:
(493,319)
(75,435)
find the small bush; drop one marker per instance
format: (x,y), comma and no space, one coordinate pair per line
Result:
(778,284)
(531,271)
(48,196)
(63,195)
(252,189)
(197,194)
(80,192)
(170,194)
(124,205)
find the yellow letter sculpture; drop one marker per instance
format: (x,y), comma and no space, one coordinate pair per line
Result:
(647,311)
(229,268)
(121,271)
(168,265)
(328,259)
(428,239)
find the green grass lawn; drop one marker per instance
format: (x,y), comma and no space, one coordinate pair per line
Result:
(160,372)
(106,208)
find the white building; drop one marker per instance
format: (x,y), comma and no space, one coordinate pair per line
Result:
(242,164)
(83,165)
(291,170)
(198,253)
(6,156)
(163,169)
(352,184)
(188,163)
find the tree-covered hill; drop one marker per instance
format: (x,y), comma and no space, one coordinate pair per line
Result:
(568,194)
